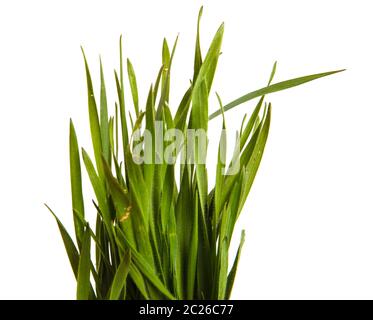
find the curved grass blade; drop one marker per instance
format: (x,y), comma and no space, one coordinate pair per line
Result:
(283,85)
(232,273)
(250,124)
(71,250)
(273,72)
(254,116)
(255,158)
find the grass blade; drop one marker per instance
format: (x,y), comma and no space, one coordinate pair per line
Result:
(71,250)
(84,269)
(220,172)
(120,277)
(122,113)
(76,183)
(254,162)
(283,85)
(193,251)
(93,119)
(133,84)
(104,118)
(208,67)
(198,54)
(99,190)
(232,273)
(143,266)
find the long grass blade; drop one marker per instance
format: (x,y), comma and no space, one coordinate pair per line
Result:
(104,118)
(93,119)
(76,183)
(283,85)
(71,250)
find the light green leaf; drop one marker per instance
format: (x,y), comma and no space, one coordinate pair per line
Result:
(166,74)
(271,89)
(255,158)
(223,269)
(133,84)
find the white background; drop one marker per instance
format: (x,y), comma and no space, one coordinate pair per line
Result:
(309,217)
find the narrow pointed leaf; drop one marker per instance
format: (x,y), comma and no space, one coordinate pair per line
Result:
(93,119)
(104,118)
(198,54)
(192,255)
(283,85)
(232,273)
(84,270)
(70,247)
(76,183)
(133,84)
(120,277)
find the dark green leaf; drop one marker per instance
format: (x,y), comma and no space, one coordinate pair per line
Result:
(84,270)
(232,273)
(104,118)
(71,250)
(76,183)
(120,277)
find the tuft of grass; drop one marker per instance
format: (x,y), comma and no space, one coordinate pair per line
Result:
(156,235)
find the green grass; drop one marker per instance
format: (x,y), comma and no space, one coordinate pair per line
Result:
(159,234)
